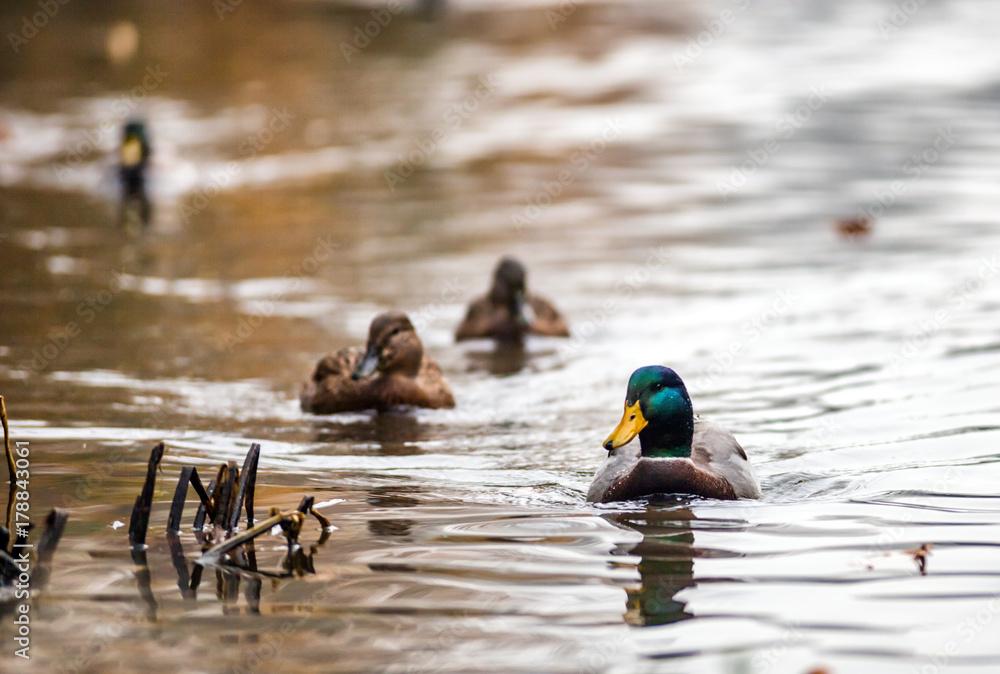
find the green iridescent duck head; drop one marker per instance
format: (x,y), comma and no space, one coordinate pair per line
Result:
(658,410)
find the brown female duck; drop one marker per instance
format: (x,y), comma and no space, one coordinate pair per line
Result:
(391,370)
(509,312)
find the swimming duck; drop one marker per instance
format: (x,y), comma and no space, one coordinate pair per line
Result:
(391,370)
(133,158)
(509,312)
(677,453)
(855,227)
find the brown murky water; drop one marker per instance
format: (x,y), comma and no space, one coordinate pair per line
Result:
(670,175)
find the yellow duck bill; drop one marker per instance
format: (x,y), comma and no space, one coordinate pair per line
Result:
(632,422)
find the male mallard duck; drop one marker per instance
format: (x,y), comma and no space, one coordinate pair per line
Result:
(392,370)
(133,157)
(678,454)
(509,312)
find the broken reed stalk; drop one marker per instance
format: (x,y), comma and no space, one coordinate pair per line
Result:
(221,503)
(9,520)
(55,523)
(199,489)
(180,495)
(213,555)
(8,568)
(248,480)
(225,494)
(6,440)
(206,509)
(144,503)
(306,508)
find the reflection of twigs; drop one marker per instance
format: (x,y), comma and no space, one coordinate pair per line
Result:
(144,579)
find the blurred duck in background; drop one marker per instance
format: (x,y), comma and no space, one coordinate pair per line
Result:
(391,370)
(509,312)
(853,228)
(133,162)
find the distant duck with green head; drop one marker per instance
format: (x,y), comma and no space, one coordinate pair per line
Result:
(133,158)
(677,453)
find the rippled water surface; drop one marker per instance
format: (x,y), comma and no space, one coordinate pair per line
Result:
(672,190)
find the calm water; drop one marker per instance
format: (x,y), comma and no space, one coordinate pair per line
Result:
(300,187)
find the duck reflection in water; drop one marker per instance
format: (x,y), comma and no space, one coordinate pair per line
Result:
(504,358)
(667,555)
(395,433)
(391,498)
(135,209)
